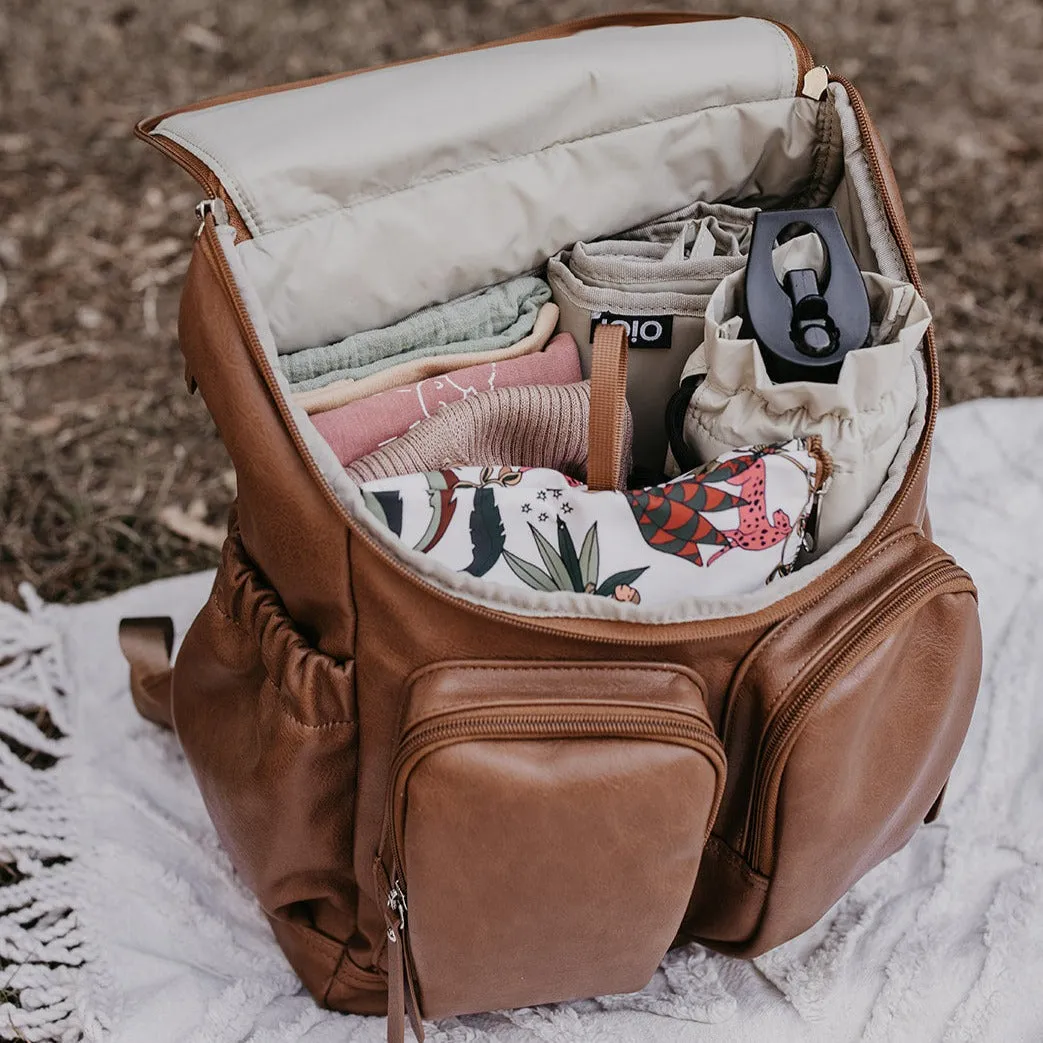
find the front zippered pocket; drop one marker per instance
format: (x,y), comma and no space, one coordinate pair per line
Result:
(539,849)
(860,636)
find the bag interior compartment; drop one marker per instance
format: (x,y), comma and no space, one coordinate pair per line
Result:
(511,806)
(643,130)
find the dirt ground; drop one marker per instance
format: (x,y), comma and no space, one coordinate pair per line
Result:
(103,454)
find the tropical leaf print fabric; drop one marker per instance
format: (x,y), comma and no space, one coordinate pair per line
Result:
(726,528)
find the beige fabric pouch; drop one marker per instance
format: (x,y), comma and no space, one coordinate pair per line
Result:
(861,419)
(655,280)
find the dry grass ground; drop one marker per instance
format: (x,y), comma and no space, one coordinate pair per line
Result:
(97,436)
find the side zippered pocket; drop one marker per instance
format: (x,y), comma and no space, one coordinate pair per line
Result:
(541,849)
(860,636)
(841,727)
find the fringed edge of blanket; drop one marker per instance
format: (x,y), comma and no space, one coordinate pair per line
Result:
(51,981)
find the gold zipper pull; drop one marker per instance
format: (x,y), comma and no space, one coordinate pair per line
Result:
(215,208)
(816,81)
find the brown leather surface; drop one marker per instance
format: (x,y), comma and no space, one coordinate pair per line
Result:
(268,724)
(841,709)
(288,526)
(507,841)
(146,643)
(513,686)
(870,763)
(608,408)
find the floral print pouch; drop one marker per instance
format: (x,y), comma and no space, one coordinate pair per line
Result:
(727,528)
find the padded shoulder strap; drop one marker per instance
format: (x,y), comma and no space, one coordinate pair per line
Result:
(608,404)
(146,643)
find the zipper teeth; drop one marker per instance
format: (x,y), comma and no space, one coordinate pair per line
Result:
(206,178)
(554,724)
(202,174)
(707,631)
(539,724)
(863,637)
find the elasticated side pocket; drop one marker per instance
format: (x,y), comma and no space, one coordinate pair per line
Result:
(544,828)
(841,729)
(269,727)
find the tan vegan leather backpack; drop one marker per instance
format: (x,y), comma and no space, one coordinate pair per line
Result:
(452,799)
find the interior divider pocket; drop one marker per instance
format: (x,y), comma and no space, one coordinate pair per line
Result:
(543,831)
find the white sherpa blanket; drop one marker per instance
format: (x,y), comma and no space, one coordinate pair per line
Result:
(123,920)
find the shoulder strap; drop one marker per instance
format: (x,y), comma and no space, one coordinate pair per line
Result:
(146,643)
(608,408)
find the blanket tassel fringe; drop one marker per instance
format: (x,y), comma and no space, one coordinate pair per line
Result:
(44,994)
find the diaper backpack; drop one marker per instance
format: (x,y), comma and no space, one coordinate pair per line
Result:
(452,796)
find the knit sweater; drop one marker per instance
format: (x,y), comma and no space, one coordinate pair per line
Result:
(364,426)
(524,426)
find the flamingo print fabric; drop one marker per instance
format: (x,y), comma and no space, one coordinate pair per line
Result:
(727,528)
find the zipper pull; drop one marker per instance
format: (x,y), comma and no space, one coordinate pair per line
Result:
(815,82)
(397,905)
(215,208)
(809,539)
(400,1000)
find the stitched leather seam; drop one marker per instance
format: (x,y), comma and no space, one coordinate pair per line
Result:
(752,879)
(345,972)
(325,726)
(307,935)
(333,976)
(543,671)
(252,638)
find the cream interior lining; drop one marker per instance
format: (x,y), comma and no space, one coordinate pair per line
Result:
(866,224)
(417,184)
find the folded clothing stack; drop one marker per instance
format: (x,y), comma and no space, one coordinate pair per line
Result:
(494,319)
(656,280)
(725,530)
(366,424)
(533,425)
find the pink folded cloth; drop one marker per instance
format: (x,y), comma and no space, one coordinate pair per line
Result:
(355,429)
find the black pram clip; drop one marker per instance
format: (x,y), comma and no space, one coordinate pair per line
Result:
(804,328)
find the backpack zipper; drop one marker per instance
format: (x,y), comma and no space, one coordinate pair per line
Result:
(653,635)
(665,725)
(860,637)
